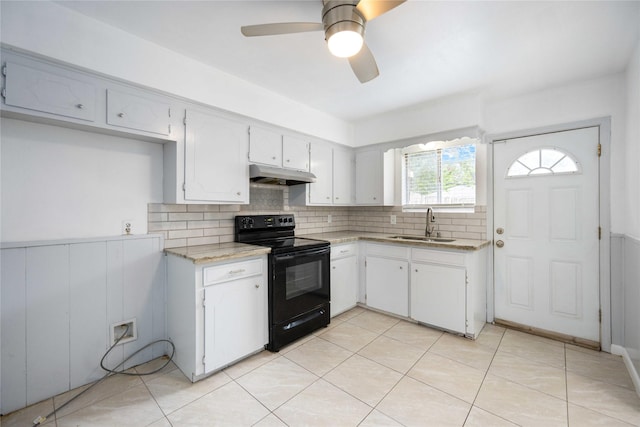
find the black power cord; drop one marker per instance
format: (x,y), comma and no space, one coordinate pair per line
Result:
(113,371)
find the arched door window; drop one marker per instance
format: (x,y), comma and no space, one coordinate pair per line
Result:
(542,162)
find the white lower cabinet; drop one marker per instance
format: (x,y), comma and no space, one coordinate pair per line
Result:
(344,278)
(387,278)
(438,295)
(444,288)
(448,289)
(216,313)
(235,316)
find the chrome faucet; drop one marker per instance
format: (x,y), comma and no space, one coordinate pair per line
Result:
(428,230)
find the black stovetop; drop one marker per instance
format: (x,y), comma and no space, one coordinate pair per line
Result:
(274,231)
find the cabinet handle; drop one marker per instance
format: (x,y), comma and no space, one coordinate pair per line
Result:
(400,267)
(273,158)
(328,197)
(79,106)
(416,270)
(344,251)
(334,267)
(288,160)
(257,286)
(374,198)
(238,193)
(120,115)
(238,271)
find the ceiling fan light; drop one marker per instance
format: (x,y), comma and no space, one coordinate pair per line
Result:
(345,44)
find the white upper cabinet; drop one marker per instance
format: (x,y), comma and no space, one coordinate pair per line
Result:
(271,148)
(265,146)
(138,111)
(321,191)
(48,91)
(333,168)
(216,168)
(342,177)
(295,153)
(375,178)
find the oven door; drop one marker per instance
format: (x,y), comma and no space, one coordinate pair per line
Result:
(300,283)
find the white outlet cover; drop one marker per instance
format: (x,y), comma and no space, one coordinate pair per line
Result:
(127,223)
(393,219)
(329,219)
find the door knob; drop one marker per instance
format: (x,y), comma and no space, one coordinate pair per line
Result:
(500,230)
(499,243)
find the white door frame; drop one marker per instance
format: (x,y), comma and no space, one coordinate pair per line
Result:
(604,125)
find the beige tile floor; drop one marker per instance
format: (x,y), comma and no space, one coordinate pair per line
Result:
(368,369)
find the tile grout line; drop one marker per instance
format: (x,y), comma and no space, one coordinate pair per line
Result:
(473,404)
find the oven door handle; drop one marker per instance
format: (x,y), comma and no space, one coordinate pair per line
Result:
(301,254)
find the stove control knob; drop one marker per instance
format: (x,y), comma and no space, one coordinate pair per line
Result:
(247,222)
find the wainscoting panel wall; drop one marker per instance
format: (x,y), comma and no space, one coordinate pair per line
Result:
(58,302)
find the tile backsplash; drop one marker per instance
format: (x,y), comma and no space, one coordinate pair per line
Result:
(190,225)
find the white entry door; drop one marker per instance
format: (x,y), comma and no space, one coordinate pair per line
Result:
(546,232)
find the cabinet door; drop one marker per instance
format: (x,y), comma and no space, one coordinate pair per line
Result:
(235,316)
(49,92)
(320,192)
(342,177)
(265,146)
(295,153)
(344,284)
(369,178)
(438,296)
(137,112)
(216,167)
(387,285)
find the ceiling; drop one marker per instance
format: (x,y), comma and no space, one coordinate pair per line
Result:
(425,50)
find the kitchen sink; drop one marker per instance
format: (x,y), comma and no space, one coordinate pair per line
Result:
(423,239)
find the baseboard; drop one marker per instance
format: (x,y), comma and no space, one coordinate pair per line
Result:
(621,351)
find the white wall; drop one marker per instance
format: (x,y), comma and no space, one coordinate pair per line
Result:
(632,151)
(454,112)
(632,210)
(48,29)
(59,183)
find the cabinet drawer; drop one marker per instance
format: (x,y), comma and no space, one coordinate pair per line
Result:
(50,93)
(136,112)
(388,251)
(342,251)
(236,270)
(438,257)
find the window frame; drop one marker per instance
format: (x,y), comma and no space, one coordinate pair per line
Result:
(437,146)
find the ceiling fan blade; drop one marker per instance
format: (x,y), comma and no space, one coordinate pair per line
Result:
(373,8)
(364,65)
(280,28)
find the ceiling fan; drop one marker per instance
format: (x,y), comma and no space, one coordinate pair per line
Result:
(343,23)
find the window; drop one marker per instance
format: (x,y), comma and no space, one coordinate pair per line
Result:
(544,161)
(439,174)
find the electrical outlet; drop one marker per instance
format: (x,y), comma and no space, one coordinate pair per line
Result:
(127,226)
(119,328)
(329,219)
(393,219)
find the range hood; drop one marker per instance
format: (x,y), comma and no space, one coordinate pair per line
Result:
(273,175)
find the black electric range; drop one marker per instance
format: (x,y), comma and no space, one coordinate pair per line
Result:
(299,284)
